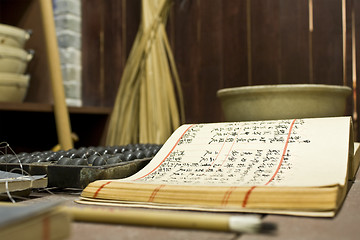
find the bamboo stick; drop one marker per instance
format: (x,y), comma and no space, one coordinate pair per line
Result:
(170,219)
(60,109)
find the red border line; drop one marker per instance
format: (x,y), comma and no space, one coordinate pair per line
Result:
(278,168)
(167,154)
(225,200)
(284,151)
(247,196)
(153,194)
(99,189)
(226,156)
(212,164)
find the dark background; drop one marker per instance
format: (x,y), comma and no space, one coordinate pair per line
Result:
(216,44)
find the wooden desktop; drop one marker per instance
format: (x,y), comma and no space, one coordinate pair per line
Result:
(342,226)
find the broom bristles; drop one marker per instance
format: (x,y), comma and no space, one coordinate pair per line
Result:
(146,108)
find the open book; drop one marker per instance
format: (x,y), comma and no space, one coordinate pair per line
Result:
(298,167)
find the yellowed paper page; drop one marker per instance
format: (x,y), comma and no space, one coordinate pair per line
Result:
(297,152)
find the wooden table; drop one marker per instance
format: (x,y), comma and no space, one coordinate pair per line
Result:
(346,225)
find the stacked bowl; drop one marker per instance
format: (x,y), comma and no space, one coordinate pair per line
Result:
(14,59)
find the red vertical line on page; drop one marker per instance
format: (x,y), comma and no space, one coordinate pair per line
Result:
(284,152)
(277,169)
(227,195)
(46,228)
(153,194)
(99,189)
(218,153)
(228,152)
(222,148)
(167,154)
(231,147)
(225,200)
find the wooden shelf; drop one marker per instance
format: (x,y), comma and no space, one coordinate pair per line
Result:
(45,107)
(31,127)
(90,110)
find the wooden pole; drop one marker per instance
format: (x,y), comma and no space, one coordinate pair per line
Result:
(60,109)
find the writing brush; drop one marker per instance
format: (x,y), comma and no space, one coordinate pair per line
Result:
(171,219)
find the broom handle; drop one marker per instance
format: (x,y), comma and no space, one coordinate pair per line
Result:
(60,109)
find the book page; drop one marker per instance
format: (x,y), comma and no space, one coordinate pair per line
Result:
(298,152)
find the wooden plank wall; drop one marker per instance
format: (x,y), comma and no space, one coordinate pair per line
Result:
(220,44)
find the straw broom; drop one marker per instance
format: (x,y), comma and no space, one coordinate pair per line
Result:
(149,103)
